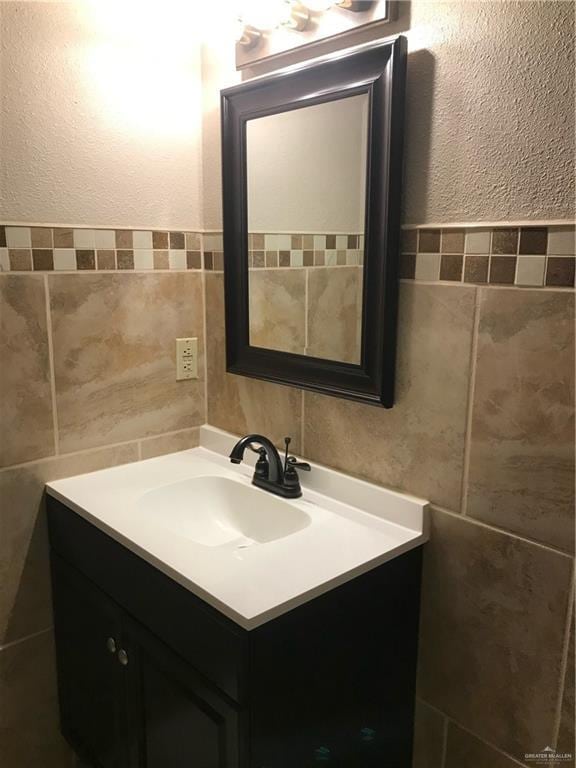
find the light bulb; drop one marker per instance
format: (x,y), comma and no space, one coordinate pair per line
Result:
(265,14)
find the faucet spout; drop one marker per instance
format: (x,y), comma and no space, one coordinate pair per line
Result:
(276,471)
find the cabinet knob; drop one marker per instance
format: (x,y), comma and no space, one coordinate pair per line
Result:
(111,645)
(123,657)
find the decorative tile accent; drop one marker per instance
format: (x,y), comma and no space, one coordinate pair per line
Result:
(530,270)
(502,270)
(533,240)
(85,259)
(41,237)
(177,241)
(18,237)
(42,259)
(505,241)
(105,259)
(63,249)
(560,271)
(561,241)
(451,267)
(84,239)
(124,239)
(142,240)
(429,241)
(20,259)
(478,241)
(428,266)
(63,238)
(125,259)
(523,256)
(476,269)
(453,241)
(160,240)
(65,259)
(105,239)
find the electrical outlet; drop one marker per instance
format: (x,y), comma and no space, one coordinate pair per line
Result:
(186,359)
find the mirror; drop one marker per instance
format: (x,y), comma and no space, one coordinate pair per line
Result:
(311,177)
(306,175)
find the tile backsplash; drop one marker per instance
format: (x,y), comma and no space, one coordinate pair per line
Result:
(522,256)
(514,256)
(60,249)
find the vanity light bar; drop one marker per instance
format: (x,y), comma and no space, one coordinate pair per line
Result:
(291,14)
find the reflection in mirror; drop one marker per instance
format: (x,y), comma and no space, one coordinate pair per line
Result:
(306,177)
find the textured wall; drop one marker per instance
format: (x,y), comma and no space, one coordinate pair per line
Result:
(101,116)
(490,111)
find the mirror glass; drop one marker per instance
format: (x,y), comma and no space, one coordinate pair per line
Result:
(306,186)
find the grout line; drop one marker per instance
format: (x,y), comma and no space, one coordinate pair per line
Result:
(52,367)
(25,638)
(444,740)
(455,722)
(564,665)
(96,449)
(503,531)
(205,335)
(139,450)
(470,405)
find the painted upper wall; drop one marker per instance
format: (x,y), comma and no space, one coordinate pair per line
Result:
(490,111)
(101,114)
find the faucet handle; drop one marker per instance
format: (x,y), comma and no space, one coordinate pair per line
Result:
(293,462)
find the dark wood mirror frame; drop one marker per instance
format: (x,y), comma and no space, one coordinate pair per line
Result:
(378,70)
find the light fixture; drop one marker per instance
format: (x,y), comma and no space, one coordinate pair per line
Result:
(318,6)
(266,15)
(246,36)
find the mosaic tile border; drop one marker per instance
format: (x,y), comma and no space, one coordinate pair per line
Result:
(524,256)
(276,249)
(47,249)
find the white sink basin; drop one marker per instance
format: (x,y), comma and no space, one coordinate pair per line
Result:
(216,511)
(250,554)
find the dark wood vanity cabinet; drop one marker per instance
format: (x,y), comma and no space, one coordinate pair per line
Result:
(150,676)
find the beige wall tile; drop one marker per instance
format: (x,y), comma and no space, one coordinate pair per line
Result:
(418,445)
(492,632)
(29,727)
(237,403)
(335,313)
(26,427)
(428,737)
(24,573)
(179,441)
(466,751)
(522,446)
(114,349)
(566,738)
(278,309)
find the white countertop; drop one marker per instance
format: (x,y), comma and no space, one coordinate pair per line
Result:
(355,526)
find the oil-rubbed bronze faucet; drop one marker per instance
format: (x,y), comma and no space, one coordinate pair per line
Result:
(269,473)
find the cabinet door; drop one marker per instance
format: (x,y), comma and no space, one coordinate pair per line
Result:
(91,679)
(181,721)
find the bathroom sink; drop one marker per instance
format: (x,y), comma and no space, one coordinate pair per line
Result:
(250,554)
(216,511)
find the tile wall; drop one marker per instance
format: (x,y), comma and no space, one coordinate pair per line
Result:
(88,381)
(483,427)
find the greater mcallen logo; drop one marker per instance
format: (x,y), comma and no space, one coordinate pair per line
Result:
(547,755)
